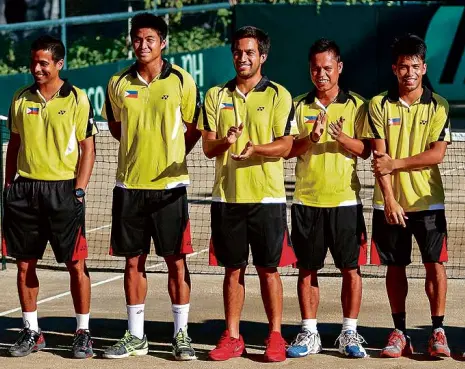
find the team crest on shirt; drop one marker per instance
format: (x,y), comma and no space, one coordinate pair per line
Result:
(131,94)
(310,119)
(227,106)
(394,122)
(32,111)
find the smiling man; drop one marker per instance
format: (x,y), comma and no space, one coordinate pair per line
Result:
(410,130)
(327,210)
(51,153)
(247,124)
(152,109)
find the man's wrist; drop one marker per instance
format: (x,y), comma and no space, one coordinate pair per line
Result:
(312,140)
(79,193)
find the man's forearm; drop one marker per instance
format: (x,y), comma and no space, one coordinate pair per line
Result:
(425,159)
(385,185)
(12,158)
(86,164)
(276,149)
(355,146)
(213,148)
(115,129)
(299,147)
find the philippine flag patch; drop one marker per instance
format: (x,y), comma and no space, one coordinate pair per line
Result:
(310,119)
(394,122)
(131,94)
(227,106)
(33,111)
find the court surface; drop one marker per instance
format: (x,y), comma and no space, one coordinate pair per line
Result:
(108,322)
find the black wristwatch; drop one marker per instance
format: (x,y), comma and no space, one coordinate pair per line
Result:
(79,193)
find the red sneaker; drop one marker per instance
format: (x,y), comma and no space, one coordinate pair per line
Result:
(227,348)
(275,347)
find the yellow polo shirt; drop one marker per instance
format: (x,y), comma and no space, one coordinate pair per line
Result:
(408,131)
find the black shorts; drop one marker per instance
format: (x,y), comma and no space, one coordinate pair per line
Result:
(263,226)
(37,212)
(341,229)
(392,244)
(141,215)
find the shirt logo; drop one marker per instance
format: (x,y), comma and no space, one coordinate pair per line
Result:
(424,122)
(394,122)
(61,112)
(131,94)
(33,111)
(310,119)
(260,108)
(226,106)
(164,97)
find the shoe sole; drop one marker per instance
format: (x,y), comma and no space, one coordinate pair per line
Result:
(83,356)
(351,356)
(296,356)
(439,354)
(140,352)
(243,353)
(34,349)
(184,358)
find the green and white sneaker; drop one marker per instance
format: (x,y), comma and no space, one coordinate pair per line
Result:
(182,349)
(129,345)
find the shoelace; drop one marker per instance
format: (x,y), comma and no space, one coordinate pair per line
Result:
(350,339)
(439,337)
(26,339)
(394,338)
(81,339)
(275,344)
(304,339)
(183,340)
(126,339)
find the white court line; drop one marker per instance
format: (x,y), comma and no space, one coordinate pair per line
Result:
(98,228)
(55,297)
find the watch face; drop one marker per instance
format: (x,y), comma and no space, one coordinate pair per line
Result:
(79,192)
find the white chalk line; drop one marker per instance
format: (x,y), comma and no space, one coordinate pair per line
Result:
(64,294)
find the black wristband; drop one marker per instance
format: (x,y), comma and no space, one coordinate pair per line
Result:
(311,139)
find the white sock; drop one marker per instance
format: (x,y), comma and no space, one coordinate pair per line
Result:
(180,317)
(136,320)
(349,324)
(309,325)
(30,320)
(82,321)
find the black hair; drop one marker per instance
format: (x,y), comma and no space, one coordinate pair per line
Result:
(322,45)
(147,20)
(262,38)
(52,44)
(408,45)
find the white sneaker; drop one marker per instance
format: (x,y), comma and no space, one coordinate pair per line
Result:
(350,344)
(304,344)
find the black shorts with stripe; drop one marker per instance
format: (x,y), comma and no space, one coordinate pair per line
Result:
(37,212)
(391,244)
(262,226)
(141,215)
(341,229)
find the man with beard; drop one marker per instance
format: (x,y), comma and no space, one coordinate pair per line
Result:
(247,125)
(410,130)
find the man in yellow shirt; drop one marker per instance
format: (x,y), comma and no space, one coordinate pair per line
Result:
(51,153)
(327,210)
(152,109)
(410,130)
(247,124)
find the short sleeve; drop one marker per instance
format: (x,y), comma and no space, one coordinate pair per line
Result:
(207,119)
(360,119)
(190,102)
(84,118)
(374,124)
(440,123)
(111,110)
(284,123)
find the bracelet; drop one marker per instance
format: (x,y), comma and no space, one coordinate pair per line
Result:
(311,139)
